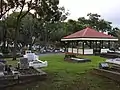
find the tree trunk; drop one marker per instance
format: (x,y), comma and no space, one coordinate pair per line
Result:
(4,49)
(14,50)
(46,39)
(15,40)
(30,48)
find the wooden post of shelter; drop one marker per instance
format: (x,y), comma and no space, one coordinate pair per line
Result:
(83,46)
(109,44)
(77,47)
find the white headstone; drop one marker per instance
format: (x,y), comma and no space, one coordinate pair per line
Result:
(30,56)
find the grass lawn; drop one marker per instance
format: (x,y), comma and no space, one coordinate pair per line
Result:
(64,75)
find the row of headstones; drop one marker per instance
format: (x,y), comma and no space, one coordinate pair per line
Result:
(4,68)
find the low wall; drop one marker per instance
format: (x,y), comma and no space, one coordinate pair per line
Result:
(80,51)
(108,74)
(10,80)
(88,51)
(104,50)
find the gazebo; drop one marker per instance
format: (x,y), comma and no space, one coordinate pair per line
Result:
(89,41)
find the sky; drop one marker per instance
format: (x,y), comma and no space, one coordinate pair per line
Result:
(108,9)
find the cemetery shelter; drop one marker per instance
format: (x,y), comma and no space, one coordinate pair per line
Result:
(89,41)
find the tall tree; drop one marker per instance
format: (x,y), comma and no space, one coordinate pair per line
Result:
(46,11)
(29,29)
(30,5)
(95,21)
(15,5)
(49,13)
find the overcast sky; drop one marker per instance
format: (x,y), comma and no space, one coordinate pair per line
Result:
(108,9)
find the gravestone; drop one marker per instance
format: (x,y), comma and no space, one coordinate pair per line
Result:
(103,65)
(2,68)
(24,63)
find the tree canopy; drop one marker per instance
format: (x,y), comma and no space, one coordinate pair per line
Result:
(20,25)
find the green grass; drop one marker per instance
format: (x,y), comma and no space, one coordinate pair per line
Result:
(57,63)
(64,75)
(12,62)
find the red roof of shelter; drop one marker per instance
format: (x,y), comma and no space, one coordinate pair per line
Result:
(88,33)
